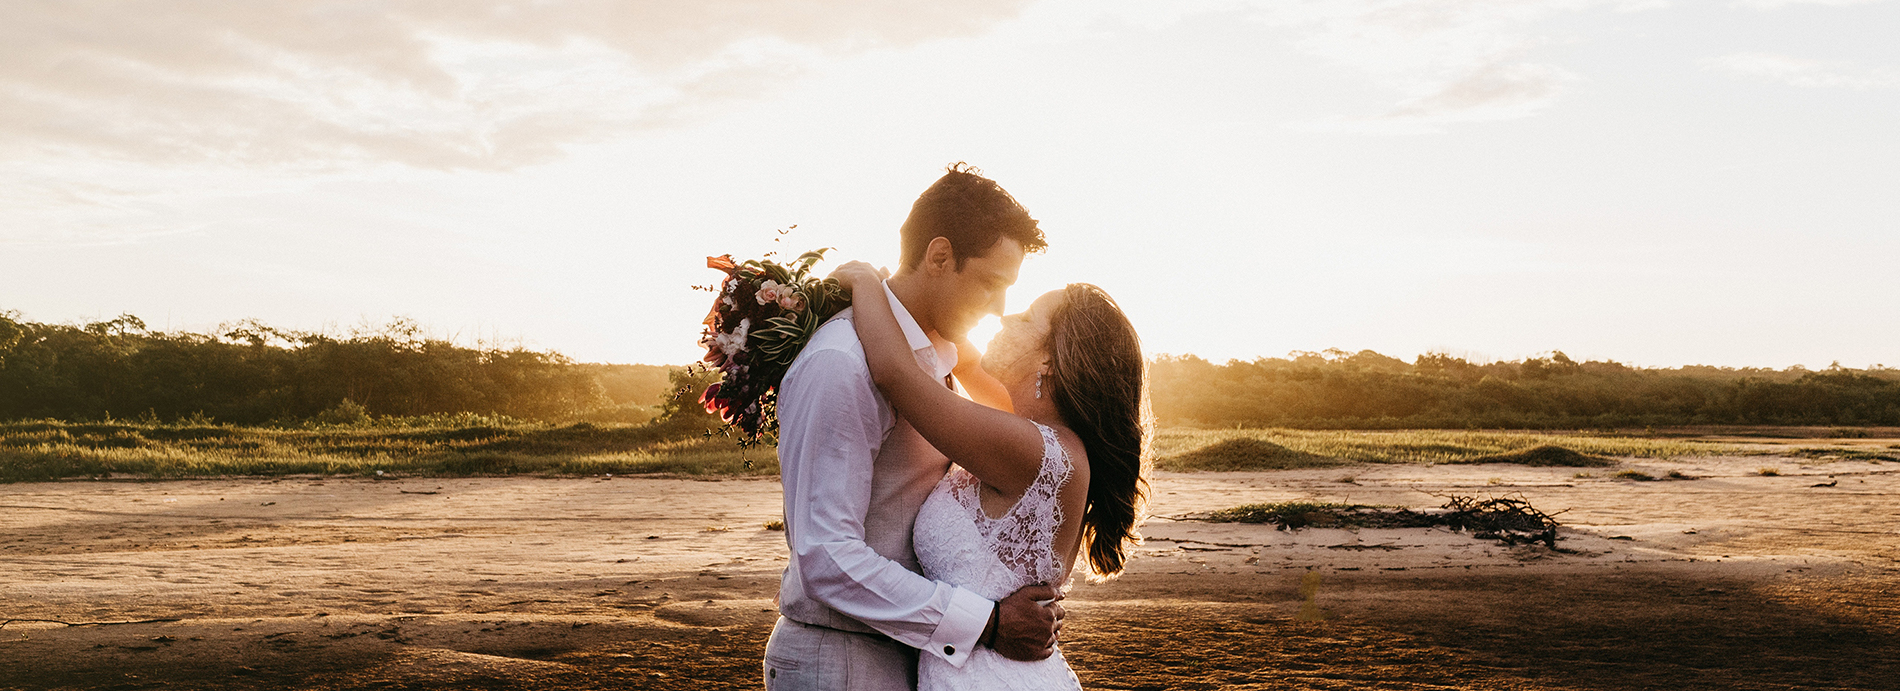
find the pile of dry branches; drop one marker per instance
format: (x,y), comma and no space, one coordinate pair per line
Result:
(1511,520)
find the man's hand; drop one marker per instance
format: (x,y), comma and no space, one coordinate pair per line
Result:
(1025,628)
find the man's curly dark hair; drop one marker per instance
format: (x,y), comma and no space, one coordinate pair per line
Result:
(972,212)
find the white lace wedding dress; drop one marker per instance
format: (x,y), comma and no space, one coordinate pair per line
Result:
(959,544)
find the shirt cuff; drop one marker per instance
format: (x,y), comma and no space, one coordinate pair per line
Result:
(963,622)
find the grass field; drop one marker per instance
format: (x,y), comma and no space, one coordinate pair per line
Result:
(474,445)
(1267,449)
(48,450)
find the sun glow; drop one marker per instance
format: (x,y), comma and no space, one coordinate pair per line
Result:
(985,330)
(1246,178)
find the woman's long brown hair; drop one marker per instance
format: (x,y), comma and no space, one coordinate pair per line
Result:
(1099,388)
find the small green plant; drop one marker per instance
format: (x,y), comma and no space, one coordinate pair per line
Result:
(1636,475)
(1584,475)
(1839,454)
(1244,453)
(1679,475)
(346,413)
(1767,472)
(1293,514)
(775,525)
(1544,455)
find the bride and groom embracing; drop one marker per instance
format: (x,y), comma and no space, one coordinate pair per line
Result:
(907,572)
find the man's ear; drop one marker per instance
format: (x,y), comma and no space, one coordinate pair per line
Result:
(939,259)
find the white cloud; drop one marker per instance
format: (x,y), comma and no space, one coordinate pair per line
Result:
(1778,4)
(118,117)
(429,83)
(1814,74)
(1448,61)
(1500,91)
(1442,61)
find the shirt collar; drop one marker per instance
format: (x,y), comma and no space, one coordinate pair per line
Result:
(913,333)
(944,353)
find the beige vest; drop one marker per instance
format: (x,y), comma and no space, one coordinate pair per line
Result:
(907,469)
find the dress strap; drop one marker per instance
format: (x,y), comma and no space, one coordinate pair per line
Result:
(1056,465)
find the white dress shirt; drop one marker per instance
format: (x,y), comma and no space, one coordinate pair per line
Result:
(854,475)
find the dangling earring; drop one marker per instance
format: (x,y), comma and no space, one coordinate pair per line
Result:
(1038,385)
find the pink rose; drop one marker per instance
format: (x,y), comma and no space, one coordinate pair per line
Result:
(770,292)
(791,302)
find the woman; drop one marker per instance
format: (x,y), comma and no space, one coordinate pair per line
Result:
(1051,468)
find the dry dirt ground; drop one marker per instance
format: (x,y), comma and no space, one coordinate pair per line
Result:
(1733,580)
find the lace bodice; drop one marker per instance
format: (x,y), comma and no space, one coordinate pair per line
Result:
(1024,537)
(959,544)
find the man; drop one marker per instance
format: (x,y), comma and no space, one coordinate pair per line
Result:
(854,610)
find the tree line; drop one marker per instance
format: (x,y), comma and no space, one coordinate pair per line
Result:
(1336,389)
(250,373)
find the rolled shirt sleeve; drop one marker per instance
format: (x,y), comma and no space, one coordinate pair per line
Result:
(831,426)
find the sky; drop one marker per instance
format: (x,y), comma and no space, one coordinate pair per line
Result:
(1657,182)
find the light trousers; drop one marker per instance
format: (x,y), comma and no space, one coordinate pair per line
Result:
(801,657)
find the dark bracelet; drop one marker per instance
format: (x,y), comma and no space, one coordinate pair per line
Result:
(996,625)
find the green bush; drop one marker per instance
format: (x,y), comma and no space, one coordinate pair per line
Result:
(346,413)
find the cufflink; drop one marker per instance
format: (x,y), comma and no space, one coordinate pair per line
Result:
(950,650)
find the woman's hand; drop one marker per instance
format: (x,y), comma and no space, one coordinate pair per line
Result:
(981,387)
(855,273)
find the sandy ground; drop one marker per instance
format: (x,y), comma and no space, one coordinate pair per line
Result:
(1733,580)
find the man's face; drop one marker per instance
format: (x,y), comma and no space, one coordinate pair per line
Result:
(979,289)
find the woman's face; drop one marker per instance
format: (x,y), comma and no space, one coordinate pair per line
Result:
(1018,351)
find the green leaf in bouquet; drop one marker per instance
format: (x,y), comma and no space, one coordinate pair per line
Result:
(779,339)
(808,323)
(825,298)
(807,260)
(782,326)
(777,273)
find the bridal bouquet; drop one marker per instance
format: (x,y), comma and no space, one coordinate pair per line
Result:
(764,315)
